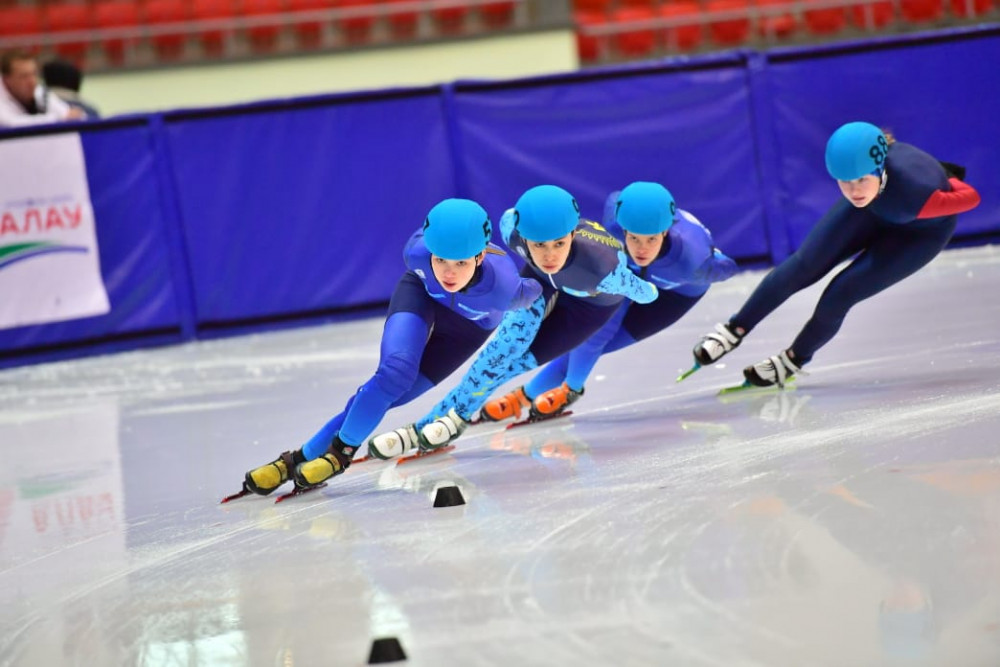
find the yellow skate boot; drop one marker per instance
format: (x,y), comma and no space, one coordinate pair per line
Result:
(267,478)
(333,462)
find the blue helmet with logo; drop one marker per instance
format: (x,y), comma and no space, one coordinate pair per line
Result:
(457,229)
(855,150)
(645,208)
(545,213)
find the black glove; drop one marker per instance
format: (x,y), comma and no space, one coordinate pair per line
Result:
(954,170)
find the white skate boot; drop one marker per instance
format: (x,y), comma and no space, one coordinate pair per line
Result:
(772,371)
(714,346)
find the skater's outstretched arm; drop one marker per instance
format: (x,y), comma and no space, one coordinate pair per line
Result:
(622,281)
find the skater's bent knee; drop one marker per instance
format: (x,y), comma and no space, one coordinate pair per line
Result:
(397,373)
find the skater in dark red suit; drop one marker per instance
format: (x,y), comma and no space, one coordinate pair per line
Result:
(899,210)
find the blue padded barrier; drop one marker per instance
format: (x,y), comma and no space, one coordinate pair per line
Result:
(216,220)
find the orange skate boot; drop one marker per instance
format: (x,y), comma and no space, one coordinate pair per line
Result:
(554,402)
(506,407)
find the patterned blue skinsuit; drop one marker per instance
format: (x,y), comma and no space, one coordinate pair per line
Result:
(576,301)
(687,264)
(428,334)
(890,240)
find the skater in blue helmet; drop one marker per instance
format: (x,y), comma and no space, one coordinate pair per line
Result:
(585,277)
(666,246)
(454,293)
(899,210)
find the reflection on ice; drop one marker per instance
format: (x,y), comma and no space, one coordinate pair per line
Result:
(852,520)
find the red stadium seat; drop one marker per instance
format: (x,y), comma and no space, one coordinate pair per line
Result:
(728,31)
(169,45)
(921,11)
(402,25)
(686,36)
(309,33)
(589,48)
(213,41)
(357,29)
(450,20)
(970,8)
(779,25)
(18,20)
(116,14)
(497,15)
(825,21)
(67,17)
(634,42)
(263,38)
(872,16)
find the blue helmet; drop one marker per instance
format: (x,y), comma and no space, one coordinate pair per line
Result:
(545,213)
(645,208)
(457,229)
(856,150)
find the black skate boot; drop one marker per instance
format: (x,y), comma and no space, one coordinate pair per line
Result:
(714,346)
(776,370)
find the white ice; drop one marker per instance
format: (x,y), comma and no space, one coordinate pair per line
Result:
(852,520)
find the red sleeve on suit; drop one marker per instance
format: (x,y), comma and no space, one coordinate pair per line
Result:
(961,198)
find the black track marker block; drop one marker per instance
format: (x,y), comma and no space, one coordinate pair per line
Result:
(448,496)
(386,649)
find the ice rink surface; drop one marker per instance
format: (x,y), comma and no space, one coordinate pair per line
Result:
(851,521)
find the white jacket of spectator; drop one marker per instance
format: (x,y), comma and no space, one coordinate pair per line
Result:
(12,114)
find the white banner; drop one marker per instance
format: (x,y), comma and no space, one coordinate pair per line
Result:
(49,265)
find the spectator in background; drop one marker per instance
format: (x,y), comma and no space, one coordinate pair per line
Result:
(64,79)
(22,100)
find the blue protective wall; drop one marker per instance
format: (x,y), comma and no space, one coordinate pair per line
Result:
(212,219)
(305,209)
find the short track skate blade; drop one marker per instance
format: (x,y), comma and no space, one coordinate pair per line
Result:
(423,455)
(688,373)
(536,420)
(244,492)
(748,387)
(299,491)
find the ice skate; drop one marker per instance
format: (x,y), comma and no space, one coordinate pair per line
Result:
(506,407)
(333,462)
(394,443)
(714,346)
(441,431)
(773,371)
(268,477)
(553,402)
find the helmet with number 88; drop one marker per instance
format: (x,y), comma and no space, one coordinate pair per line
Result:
(855,150)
